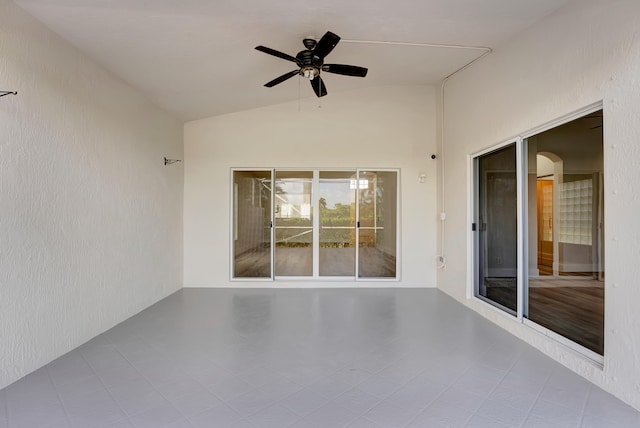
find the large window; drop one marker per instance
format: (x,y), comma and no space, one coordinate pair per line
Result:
(315,224)
(539,216)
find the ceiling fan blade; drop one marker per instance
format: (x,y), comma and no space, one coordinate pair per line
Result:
(275,53)
(282,78)
(318,86)
(326,44)
(347,70)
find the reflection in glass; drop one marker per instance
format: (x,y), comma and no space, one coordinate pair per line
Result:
(251,224)
(337,223)
(566,249)
(496,228)
(377,193)
(293,223)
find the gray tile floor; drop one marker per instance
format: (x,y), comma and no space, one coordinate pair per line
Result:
(308,358)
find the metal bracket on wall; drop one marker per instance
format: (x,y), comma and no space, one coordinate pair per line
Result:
(170,161)
(3,93)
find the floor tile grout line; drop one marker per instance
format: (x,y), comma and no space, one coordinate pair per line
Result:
(53,384)
(187,418)
(115,348)
(394,391)
(5,404)
(369,420)
(544,384)
(231,374)
(260,386)
(223,401)
(452,384)
(171,360)
(449,387)
(350,364)
(586,403)
(330,399)
(267,406)
(510,370)
(127,417)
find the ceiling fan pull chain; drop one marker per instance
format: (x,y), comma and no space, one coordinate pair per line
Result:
(299,79)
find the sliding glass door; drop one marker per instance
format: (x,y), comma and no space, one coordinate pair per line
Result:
(315,224)
(538,231)
(565,288)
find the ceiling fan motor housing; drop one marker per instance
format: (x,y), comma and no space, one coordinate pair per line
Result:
(309,64)
(309,43)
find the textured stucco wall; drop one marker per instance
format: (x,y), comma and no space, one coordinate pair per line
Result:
(90,218)
(387,127)
(588,51)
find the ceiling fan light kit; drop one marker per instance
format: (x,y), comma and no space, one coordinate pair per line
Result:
(310,62)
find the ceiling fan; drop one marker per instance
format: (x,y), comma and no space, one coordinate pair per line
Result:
(310,63)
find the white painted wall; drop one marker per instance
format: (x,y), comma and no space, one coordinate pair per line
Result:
(90,218)
(586,52)
(386,127)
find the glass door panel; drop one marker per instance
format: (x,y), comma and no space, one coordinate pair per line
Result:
(565,291)
(496,228)
(293,223)
(337,204)
(252,224)
(377,240)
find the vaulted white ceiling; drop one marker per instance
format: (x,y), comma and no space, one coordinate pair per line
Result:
(196,58)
